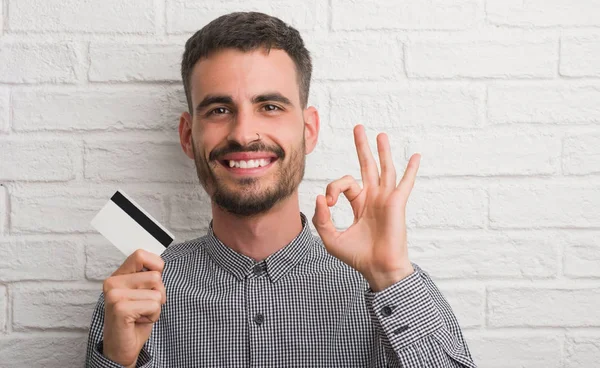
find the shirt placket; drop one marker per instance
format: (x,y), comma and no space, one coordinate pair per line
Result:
(259,317)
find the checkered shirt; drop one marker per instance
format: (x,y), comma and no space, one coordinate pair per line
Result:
(300,307)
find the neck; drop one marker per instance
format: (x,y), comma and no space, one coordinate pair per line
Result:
(261,235)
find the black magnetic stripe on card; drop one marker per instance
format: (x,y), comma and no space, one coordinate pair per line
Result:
(144,221)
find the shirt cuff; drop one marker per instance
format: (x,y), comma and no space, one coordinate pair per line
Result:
(98,360)
(404,312)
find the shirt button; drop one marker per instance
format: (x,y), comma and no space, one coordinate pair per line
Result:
(400,329)
(386,311)
(258,269)
(259,319)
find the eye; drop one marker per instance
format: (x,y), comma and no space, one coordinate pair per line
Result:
(219,111)
(271,108)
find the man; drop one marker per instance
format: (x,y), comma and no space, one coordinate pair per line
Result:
(259,289)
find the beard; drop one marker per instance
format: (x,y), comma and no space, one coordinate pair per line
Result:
(248,196)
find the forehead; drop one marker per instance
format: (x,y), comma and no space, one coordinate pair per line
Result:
(244,74)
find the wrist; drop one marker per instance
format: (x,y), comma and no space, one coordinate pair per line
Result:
(379,281)
(114,359)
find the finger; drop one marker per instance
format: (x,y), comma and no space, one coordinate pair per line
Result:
(114,296)
(408,179)
(347,185)
(368,166)
(117,295)
(388,171)
(151,280)
(323,223)
(140,260)
(134,310)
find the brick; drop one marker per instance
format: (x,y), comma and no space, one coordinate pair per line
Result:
(110,16)
(66,306)
(549,103)
(529,307)
(3,308)
(397,108)
(102,259)
(335,154)
(580,56)
(551,205)
(581,155)
(507,349)
(30,62)
(37,159)
(134,62)
(190,211)
(467,304)
(4,111)
(68,209)
(27,259)
(3,209)
(485,256)
(487,154)
(412,14)
(138,161)
(582,350)
(334,58)
(187,16)
(105,108)
(542,13)
(481,59)
(319,97)
(446,207)
(43,350)
(582,255)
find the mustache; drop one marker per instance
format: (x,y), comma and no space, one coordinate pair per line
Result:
(234,147)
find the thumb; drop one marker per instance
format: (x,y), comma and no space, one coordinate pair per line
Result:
(323,223)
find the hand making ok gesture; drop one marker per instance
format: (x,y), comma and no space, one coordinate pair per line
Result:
(375,245)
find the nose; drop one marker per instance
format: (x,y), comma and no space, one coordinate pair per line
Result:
(244,128)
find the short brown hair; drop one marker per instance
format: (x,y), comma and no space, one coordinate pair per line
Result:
(247,31)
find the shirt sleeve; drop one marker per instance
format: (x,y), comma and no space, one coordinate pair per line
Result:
(94,357)
(416,325)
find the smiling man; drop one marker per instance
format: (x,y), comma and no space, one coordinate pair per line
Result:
(259,290)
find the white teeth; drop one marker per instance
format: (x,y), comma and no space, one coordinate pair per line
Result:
(250,164)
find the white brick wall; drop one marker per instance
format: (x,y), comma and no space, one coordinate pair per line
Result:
(500,97)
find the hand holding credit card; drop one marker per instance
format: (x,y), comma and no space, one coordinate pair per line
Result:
(133,300)
(128,227)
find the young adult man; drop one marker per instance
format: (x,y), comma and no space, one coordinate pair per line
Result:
(259,290)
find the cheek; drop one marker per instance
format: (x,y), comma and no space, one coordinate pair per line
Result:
(205,141)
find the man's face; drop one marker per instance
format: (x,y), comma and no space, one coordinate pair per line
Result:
(238,98)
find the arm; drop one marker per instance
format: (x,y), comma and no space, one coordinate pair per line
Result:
(94,357)
(416,325)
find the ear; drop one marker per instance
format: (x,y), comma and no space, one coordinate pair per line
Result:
(311,128)
(185,134)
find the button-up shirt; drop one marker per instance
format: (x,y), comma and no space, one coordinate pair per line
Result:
(300,307)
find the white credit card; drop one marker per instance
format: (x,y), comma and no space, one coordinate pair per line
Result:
(125,224)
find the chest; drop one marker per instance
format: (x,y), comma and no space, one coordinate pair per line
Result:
(306,320)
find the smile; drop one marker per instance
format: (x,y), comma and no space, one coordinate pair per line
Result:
(248,166)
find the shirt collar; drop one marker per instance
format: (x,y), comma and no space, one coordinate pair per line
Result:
(277,264)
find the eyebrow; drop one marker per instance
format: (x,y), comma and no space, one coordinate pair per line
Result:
(224,99)
(274,96)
